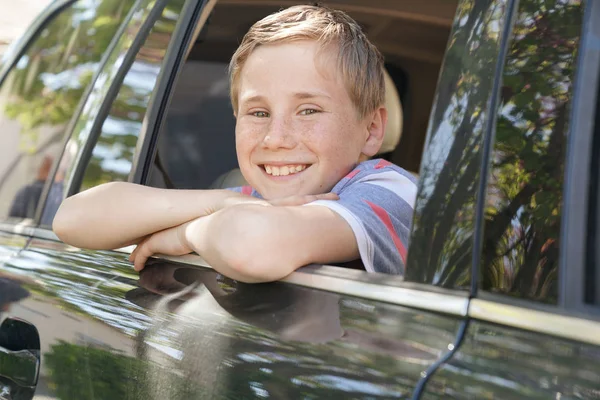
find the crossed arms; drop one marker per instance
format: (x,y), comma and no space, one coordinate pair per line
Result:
(242,237)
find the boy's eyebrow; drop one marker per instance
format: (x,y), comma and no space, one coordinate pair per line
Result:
(310,95)
(299,95)
(252,99)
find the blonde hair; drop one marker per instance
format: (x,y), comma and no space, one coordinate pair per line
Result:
(359,61)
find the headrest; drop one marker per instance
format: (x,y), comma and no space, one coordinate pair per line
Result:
(393,131)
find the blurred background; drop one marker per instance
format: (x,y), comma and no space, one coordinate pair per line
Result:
(16,15)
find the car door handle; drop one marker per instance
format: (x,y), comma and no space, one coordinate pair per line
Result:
(19,355)
(20,366)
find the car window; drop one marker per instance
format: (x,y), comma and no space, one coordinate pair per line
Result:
(521,237)
(196,144)
(40,94)
(442,238)
(113,153)
(188,157)
(107,153)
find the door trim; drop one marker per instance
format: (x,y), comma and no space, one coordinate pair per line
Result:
(573,328)
(378,287)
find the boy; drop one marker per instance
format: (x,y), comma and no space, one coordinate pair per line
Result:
(307,90)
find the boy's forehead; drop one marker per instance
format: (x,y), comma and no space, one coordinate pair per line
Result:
(306,55)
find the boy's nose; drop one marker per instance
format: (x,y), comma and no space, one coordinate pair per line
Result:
(279,135)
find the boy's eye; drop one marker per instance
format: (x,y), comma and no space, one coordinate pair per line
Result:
(261,114)
(309,111)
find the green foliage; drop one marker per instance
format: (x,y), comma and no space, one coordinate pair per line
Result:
(50,78)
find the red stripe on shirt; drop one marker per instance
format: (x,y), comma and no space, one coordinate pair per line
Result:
(352,174)
(382,164)
(387,221)
(247,190)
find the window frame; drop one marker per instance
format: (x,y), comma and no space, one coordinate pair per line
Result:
(193,16)
(379,287)
(81,162)
(575,222)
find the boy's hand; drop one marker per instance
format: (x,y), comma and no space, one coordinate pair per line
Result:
(303,199)
(296,200)
(170,242)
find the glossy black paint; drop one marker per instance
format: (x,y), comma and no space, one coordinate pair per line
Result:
(187,332)
(496,362)
(179,331)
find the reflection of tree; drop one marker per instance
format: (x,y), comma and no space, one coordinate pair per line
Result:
(504,363)
(83,372)
(49,80)
(111,159)
(520,251)
(520,248)
(444,218)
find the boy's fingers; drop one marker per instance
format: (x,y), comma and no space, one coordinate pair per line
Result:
(303,199)
(314,197)
(328,196)
(133,253)
(137,247)
(142,253)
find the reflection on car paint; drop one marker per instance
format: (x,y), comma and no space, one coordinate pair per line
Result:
(497,362)
(183,331)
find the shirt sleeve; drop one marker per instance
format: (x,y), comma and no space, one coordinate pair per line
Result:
(379,209)
(247,190)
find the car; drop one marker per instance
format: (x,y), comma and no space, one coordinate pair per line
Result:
(493,105)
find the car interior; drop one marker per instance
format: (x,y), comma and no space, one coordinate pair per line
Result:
(196,146)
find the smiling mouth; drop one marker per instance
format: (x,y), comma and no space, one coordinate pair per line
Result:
(284,170)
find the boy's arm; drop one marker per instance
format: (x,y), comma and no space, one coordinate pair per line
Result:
(258,243)
(262,243)
(118,214)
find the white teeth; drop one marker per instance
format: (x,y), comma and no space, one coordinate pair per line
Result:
(284,170)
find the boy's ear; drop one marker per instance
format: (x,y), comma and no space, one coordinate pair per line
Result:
(375,131)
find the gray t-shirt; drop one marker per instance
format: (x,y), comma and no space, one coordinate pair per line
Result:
(377,200)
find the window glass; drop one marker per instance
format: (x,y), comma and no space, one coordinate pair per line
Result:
(188,157)
(42,91)
(441,245)
(112,154)
(524,195)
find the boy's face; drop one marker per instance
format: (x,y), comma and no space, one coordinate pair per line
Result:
(297,130)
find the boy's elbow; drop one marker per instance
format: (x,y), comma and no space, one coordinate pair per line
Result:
(257,268)
(248,248)
(78,212)
(64,223)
